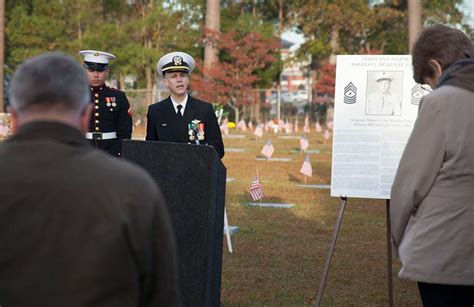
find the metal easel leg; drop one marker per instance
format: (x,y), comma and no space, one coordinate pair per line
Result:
(389,256)
(331,251)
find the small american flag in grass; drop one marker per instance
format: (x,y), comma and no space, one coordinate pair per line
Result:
(306,168)
(306,124)
(318,127)
(268,149)
(256,191)
(327,134)
(304,143)
(259,131)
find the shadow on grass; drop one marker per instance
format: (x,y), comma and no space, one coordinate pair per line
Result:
(245,198)
(255,139)
(293,178)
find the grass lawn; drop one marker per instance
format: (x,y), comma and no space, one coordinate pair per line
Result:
(279,254)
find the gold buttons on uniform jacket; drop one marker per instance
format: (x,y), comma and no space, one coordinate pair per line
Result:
(96,121)
(96,107)
(96,95)
(96,114)
(96,128)
(96,101)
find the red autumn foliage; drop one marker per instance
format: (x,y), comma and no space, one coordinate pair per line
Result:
(327,80)
(231,80)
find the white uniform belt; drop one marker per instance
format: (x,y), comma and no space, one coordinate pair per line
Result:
(101,135)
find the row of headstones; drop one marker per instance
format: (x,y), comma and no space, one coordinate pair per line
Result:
(277,205)
(282,126)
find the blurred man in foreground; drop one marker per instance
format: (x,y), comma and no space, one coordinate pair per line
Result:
(77,227)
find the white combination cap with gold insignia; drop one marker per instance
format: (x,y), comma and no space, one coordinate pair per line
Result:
(96,60)
(175,61)
(383,75)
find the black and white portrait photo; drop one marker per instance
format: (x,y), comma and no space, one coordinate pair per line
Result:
(384,92)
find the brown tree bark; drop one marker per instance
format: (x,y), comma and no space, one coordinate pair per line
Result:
(280,30)
(334,42)
(2,50)
(149,66)
(212,24)
(414,21)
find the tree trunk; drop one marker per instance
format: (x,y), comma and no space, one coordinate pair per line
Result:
(121,83)
(314,80)
(213,24)
(149,84)
(414,21)
(367,46)
(236,111)
(232,104)
(79,24)
(280,18)
(153,95)
(147,43)
(2,50)
(253,106)
(256,116)
(254,14)
(280,30)
(278,104)
(334,44)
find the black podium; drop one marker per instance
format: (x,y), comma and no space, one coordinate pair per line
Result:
(192,179)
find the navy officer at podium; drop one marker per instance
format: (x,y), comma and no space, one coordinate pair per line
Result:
(111,120)
(181,118)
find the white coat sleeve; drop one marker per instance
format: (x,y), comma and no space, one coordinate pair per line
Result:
(419,166)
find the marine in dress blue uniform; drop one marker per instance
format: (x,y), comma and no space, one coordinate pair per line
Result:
(169,120)
(111,120)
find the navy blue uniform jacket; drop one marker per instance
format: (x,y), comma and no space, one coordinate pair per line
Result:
(163,123)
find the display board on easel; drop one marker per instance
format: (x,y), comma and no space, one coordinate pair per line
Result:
(375,106)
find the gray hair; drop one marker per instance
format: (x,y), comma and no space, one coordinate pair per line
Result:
(47,81)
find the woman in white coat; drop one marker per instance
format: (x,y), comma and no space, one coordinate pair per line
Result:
(432,199)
